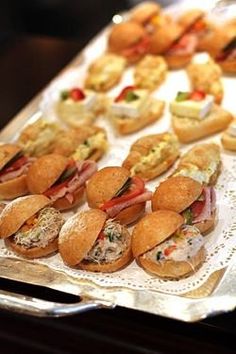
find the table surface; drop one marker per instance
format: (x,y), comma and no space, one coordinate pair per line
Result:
(27,64)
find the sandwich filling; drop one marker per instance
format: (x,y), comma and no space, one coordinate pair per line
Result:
(110,245)
(40,229)
(92,144)
(16,167)
(185,45)
(199,175)
(74,177)
(157,154)
(139,48)
(184,244)
(132,192)
(202,209)
(228,52)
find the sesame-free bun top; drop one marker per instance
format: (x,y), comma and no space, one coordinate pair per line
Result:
(163,37)
(125,35)
(18,211)
(78,235)
(188,18)
(104,184)
(44,172)
(7,152)
(176,193)
(153,229)
(143,12)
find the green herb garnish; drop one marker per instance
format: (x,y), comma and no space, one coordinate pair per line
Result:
(131,96)
(182,96)
(64,95)
(188,216)
(124,188)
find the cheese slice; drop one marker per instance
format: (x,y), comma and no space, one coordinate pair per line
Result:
(132,109)
(191,108)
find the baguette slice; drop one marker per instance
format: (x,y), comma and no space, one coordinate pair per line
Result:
(188,129)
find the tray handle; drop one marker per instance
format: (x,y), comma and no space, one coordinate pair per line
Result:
(28,305)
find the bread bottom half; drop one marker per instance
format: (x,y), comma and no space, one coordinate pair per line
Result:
(131,214)
(228,66)
(178,61)
(64,204)
(228,141)
(13,188)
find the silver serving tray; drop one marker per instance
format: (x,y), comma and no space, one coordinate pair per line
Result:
(215,296)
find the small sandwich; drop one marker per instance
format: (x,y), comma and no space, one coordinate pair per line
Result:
(152,155)
(174,44)
(227,57)
(130,40)
(206,76)
(37,139)
(90,241)
(14,166)
(228,138)
(134,109)
(86,142)
(122,197)
(60,179)
(150,72)
(163,245)
(105,72)
(202,163)
(184,195)
(195,116)
(30,226)
(76,107)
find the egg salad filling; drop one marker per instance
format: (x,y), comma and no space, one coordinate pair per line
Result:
(95,142)
(201,176)
(110,244)
(181,246)
(157,154)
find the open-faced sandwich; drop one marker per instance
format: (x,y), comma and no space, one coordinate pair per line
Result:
(197,204)
(202,163)
(206,77)
(163,245)
(150,72)
(174,44)
(60,179)
(37,139)
(76,106)
(14,166)
(30,226)
(83,143)
(130,40)
(195,116)
(122,197)
(152,155)
(228,138)
(90,241)
(133,109)
(226,58)
(105,72)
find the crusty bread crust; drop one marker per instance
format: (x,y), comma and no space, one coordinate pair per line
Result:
(228,66)
(176,193)
(13,188)
(18,211)
(131,214)
(153,229)
(228,141)
(178,61)
(121,262)
(7,152)
(44,172)
(171,269)
(188,129)
(163,37)
(143,12)
(201,155)
(104,184)
(213,40)
(64,204)
(130,125)
(188,18)
(78,235)
(34,252)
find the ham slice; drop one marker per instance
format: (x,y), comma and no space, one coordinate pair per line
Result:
(17,173)
(209,206)
(189,46)
(113,211)
(85,169)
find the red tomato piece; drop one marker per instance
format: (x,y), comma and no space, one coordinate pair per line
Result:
(197,95)
(77,94)
(123,93)
(169,250)
(15,166)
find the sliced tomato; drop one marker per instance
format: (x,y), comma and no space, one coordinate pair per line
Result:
(124,92)
(136,188)
(139,48)
(15,166)
(197,95)
(77,94)
(101,236)
(197,208)
(55,188)
(169,250)
(181,43)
